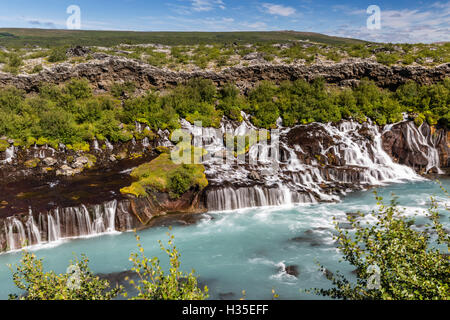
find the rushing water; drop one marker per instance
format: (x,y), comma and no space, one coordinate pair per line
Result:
(241,250)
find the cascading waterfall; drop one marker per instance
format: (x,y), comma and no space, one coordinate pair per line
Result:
(275,174)
(62,223)
(418,142)
(9,155)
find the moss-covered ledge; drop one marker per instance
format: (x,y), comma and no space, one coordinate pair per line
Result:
(164,175)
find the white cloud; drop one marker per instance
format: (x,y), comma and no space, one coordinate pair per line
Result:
(407,25)
(207,5)
(279,10)
(254,26)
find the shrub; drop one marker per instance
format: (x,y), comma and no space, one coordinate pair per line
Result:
(79,284)
(37,68)
(155,284)
(408,265)
(57,55)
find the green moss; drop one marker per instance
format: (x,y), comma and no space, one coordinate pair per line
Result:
(162,149)
(42,141)
(79,146)
(92,160)
(163,175)
(33,163)
(4,145)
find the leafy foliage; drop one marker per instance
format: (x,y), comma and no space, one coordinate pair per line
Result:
(155,284)
(72,114)
(410,266)
(37,284)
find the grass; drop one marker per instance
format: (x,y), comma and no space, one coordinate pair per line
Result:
(20,37)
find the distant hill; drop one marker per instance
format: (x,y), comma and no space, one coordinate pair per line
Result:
(14,37)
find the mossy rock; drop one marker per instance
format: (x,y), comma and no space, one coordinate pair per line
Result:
(33,163)
(163,175)
(162,149)
(4,145)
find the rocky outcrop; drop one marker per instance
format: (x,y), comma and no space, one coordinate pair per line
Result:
(105,69)
(424,148)
(46,162)
(159,204)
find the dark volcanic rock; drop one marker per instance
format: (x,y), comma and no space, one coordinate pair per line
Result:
(105,69)
(403,143)
(292,270)
(78,51)
(310,237)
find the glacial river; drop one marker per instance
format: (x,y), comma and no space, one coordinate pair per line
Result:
(244,249)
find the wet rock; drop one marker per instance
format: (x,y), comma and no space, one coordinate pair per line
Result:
(50,161)
(292,270)
(327,273)
(404,142)
(254,175)
(80,162)
(67,171)
(310,237)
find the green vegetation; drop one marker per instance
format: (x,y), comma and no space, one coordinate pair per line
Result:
(393,260)
(55,38)
(4,145)
(79,283)
(192,50)
(164,175)
(155,284)
(73,115)
(57,54)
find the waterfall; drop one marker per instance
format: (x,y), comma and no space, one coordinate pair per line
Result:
(15,234)
(229,198)
(9,155)
(279,172)
(109,145)
(95,145)
(63,223)
(417,141)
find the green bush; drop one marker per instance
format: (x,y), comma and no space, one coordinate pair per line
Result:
(57,55)
(155,284)
(409,266)
(37,284)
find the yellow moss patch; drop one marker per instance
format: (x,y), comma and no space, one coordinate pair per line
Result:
(32,163)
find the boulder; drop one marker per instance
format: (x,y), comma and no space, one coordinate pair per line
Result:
(49,161)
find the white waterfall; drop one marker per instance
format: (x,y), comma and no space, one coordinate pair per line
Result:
(282,178)
(61,223)
(418,142)
(9,155)
(15,233)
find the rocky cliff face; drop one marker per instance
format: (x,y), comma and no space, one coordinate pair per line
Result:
(426,149)
(315,162)
(104,70)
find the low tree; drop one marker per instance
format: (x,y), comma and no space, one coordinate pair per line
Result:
(77,284)
(393,260)
(155,284)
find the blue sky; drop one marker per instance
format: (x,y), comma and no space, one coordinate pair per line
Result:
(401,21)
